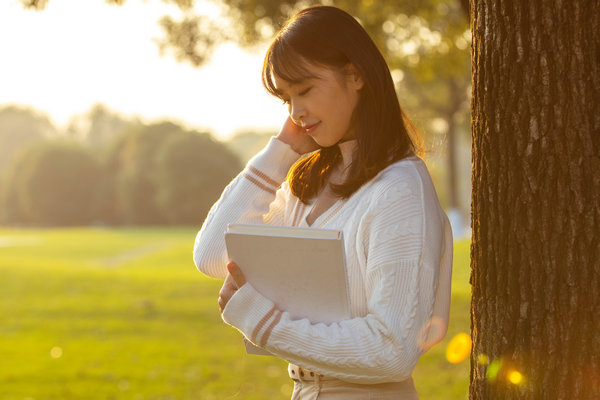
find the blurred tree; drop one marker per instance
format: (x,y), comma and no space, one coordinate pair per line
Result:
(10,211)
(247,144)
(51,183)
(98,127)
(192,171)
(137,164)
(37,4)
(536,200)
(108,209)
(19,128)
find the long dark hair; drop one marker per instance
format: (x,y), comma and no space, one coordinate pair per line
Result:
(328,36)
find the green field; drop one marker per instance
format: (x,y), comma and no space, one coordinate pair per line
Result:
(123,314)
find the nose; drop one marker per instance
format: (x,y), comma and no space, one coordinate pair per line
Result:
(297,112)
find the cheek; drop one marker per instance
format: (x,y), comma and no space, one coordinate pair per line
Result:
(346,111)
(347,98)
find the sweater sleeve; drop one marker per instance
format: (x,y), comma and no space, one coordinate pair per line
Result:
(402,265)
(253,197)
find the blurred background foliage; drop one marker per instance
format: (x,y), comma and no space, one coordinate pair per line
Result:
(165,174)
(113,172)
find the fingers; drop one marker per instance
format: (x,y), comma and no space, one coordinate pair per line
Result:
(296,137)
(222,304)
(230,281)
(291,127)
(236,274)
(235,279)
(227,290)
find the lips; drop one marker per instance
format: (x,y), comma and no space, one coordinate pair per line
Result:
(310,128)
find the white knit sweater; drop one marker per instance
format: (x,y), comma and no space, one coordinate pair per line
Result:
(398,247)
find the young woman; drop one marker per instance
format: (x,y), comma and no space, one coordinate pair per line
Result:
(359,174)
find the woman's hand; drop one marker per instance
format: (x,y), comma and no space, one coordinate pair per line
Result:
(296,137)
(235,279)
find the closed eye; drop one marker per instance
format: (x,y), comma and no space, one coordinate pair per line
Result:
(305,91)
(302,93)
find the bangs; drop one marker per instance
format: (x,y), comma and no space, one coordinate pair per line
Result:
(285,63)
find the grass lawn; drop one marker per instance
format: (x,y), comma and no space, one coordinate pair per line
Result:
(123,314)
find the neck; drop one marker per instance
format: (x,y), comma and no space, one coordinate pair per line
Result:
(348,150)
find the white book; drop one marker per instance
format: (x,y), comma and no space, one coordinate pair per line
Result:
(302,270)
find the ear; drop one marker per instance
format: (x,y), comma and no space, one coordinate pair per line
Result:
(353,77)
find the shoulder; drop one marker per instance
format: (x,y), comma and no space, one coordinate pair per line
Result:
(407,168)
(402,179)
(405,190)
(395,212)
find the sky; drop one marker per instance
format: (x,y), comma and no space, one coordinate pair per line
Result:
(75,54)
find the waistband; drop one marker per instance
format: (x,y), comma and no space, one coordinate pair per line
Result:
(298,373)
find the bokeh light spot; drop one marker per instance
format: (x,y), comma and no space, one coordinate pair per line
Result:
(483,359)
(515,377)
(459,348)
(493,369)
(56,352)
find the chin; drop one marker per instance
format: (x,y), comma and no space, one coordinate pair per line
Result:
(324,143)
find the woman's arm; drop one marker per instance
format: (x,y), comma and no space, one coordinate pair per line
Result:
(253,197)
(402,236)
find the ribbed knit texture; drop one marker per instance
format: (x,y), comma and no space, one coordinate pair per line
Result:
(398,253)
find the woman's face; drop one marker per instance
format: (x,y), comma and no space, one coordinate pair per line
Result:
(322,103)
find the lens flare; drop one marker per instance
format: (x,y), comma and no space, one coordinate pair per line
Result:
(515,377)
(459,348)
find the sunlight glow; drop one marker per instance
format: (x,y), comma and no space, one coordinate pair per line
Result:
(75,54)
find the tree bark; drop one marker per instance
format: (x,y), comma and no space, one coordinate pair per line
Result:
(535,252)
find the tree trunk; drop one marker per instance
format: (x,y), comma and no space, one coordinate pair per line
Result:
(536,200)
